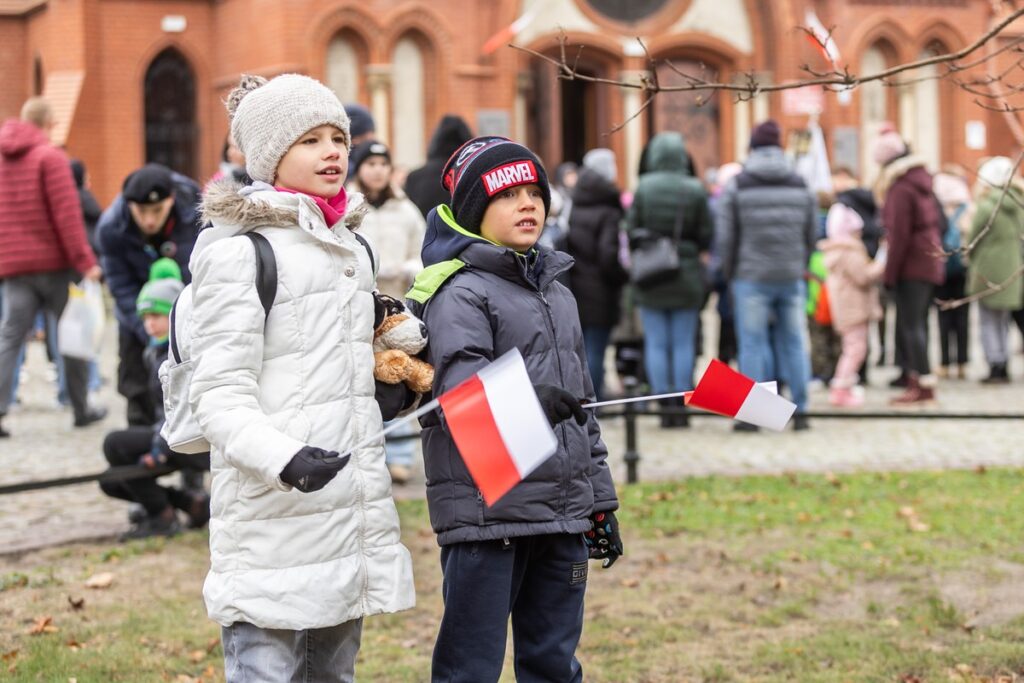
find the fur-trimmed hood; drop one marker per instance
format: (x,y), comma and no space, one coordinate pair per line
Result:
(232,209)
(894,171)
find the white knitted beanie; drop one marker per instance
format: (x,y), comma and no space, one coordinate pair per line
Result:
(267,117)
(996,172)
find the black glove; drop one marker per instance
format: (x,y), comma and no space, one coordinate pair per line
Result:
(312,468)
(393,398)
(604,540)
(558,404)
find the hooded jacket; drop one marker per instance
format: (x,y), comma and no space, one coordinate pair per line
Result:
(127,254)
(41,226)
(997,256)
(479,300)
(912,222)
(593,241)
(767,221)
(423,186)
(862,201)
(263,388)
(665,190)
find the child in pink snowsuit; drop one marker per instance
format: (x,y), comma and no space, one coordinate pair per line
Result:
(853,297)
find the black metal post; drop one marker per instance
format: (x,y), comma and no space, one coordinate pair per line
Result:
(632,456)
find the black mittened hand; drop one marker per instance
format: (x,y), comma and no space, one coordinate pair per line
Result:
(558,404)
(312,468)
(393,398)
(604,540)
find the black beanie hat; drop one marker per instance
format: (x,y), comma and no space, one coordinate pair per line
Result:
(766,134)
(364,150)
(482,168)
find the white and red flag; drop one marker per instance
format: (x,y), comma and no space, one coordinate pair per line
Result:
(498,425)
(821,38)
(724,391)
(502,37)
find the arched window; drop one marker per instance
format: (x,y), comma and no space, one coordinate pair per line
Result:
(408,105)
(343,68)
(874,108)
(170,103)
(929,116)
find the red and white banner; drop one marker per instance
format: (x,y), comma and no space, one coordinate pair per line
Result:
(498,425)
(724,391)
(503,36)
(821,38)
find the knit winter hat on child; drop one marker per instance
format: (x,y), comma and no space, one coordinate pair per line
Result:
(267,117)
(164,286)
(888,146)
(364,150)
(482,168)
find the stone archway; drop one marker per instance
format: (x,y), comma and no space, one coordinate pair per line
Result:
(170,112)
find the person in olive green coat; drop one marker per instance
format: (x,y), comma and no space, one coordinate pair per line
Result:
(665,195)
(996,260)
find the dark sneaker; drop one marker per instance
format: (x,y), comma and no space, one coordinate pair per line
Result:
(91,415)
(153,526)
(801,423)
(900,382)
(136,513)
(745,427)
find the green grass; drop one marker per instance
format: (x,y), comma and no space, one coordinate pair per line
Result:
(804,578)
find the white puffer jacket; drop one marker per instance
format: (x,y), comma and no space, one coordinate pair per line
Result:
(281,558)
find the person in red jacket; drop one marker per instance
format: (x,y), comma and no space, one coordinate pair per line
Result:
(43,245)
(911,216)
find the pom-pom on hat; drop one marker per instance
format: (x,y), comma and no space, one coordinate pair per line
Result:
(163,287)
(267,117)
(888,146)
(482,168)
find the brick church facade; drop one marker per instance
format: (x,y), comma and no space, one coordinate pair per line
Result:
(137,81)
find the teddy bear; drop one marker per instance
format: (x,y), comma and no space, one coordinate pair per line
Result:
(399,335)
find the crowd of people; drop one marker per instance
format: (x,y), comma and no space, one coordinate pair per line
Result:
(492,256)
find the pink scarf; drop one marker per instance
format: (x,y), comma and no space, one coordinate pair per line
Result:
(333,209)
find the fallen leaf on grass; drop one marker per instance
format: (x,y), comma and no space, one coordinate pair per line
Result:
(76,603)
(409,644)
(8,657)
(630,583)
(910,678)
(42,625)
(101,580)
(917,526)
(197,656)
(74,645)
(212,645)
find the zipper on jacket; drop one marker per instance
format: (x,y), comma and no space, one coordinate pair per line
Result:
(561,378)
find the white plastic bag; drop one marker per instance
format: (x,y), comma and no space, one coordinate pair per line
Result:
(80,329)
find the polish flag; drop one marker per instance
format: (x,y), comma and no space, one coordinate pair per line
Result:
(498,425)
(502,37)
(724,391)
(821,38)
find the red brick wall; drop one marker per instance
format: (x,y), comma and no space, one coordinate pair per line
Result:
(15,65)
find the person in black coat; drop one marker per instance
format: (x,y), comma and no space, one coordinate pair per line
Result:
(423,186)
(91,210)
(597,278)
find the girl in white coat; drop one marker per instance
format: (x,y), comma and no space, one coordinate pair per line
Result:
(304,542)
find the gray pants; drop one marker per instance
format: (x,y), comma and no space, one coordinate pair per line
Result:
(260,655)
(24,296)
(995,328)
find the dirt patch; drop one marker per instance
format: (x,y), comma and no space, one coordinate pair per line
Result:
(987,596)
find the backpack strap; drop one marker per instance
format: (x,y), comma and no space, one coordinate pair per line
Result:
(266,271)
(369,252)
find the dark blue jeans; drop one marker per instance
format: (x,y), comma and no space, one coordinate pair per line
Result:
(770,323)
(540,581)
(595,341)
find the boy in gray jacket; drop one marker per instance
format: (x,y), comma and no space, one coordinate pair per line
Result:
(488,289)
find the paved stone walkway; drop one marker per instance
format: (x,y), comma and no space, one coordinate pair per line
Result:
(46,446)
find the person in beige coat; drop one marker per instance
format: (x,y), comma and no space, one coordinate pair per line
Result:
(393,223)
(853,297)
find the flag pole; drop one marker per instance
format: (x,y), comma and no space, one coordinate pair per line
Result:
(635,399)
(396,423)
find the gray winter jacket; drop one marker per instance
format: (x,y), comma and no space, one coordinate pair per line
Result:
(767,221)
(478,301)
